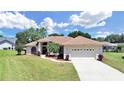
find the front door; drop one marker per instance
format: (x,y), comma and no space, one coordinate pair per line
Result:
(44,50)
(33,50)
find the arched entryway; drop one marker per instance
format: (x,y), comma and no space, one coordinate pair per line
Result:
(33,50)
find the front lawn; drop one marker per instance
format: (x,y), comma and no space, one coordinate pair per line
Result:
(115,60)
(24,67)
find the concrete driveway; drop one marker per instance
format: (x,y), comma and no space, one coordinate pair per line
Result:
(90,69)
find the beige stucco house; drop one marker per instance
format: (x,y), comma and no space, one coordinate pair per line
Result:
(74,47)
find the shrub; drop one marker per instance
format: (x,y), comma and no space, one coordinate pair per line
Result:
(53,47)
(118,49)
(67,57)
(100,57)
(5,48)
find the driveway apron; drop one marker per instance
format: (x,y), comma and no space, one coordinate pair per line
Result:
(90,69)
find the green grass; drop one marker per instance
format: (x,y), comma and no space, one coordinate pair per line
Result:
(24,67)
(123,49)
(115,60)
(7,53)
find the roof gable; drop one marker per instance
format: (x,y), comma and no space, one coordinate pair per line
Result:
(31,44)
(80,40)
(55,39)
(4,41)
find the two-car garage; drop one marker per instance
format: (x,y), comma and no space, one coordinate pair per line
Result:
(82,51)
(82,47)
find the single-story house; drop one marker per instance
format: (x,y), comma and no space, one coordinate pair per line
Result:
(107,46)
(7,43)
(74,47)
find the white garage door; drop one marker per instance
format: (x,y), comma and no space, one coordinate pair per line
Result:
(82,52)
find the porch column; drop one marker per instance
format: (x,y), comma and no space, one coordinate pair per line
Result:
(39,47)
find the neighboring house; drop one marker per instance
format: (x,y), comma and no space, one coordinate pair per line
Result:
(7,43)
(74,47)
(120,44)
(107,46)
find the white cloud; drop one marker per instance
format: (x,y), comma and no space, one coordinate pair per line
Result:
(49,24)
(15,20)
(75,29)
(90,19)
(62,25)
(70,30)
(103,33)
(121,33)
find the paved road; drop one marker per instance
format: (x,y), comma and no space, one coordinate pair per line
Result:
(90,69)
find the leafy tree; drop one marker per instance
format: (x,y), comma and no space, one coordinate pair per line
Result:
(27,36)
(115,38)
(93,38)
(19,47)
(79,33)
(118,49)
(56,34)
(34,34)
(1,35)
(100,39)
(53,47)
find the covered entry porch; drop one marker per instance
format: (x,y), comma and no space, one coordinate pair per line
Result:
(44,51)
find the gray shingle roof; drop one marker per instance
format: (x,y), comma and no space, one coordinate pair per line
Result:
(11,40)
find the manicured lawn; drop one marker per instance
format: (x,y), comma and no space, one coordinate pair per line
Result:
(24,67)
(115,60)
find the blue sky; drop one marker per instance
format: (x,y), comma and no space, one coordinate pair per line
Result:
(98,24)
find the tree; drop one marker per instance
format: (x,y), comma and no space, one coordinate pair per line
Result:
(79,33)
(29,35)
(100,39)
(115,38)
(1,35)
(53,47)
(118,49)
(32,34)
(19,47)
(56,34)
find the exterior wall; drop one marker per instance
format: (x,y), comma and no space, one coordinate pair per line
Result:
(38,48)
(82,51)
(28,50)
(6,45)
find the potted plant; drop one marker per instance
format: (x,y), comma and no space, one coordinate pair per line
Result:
(100,57)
